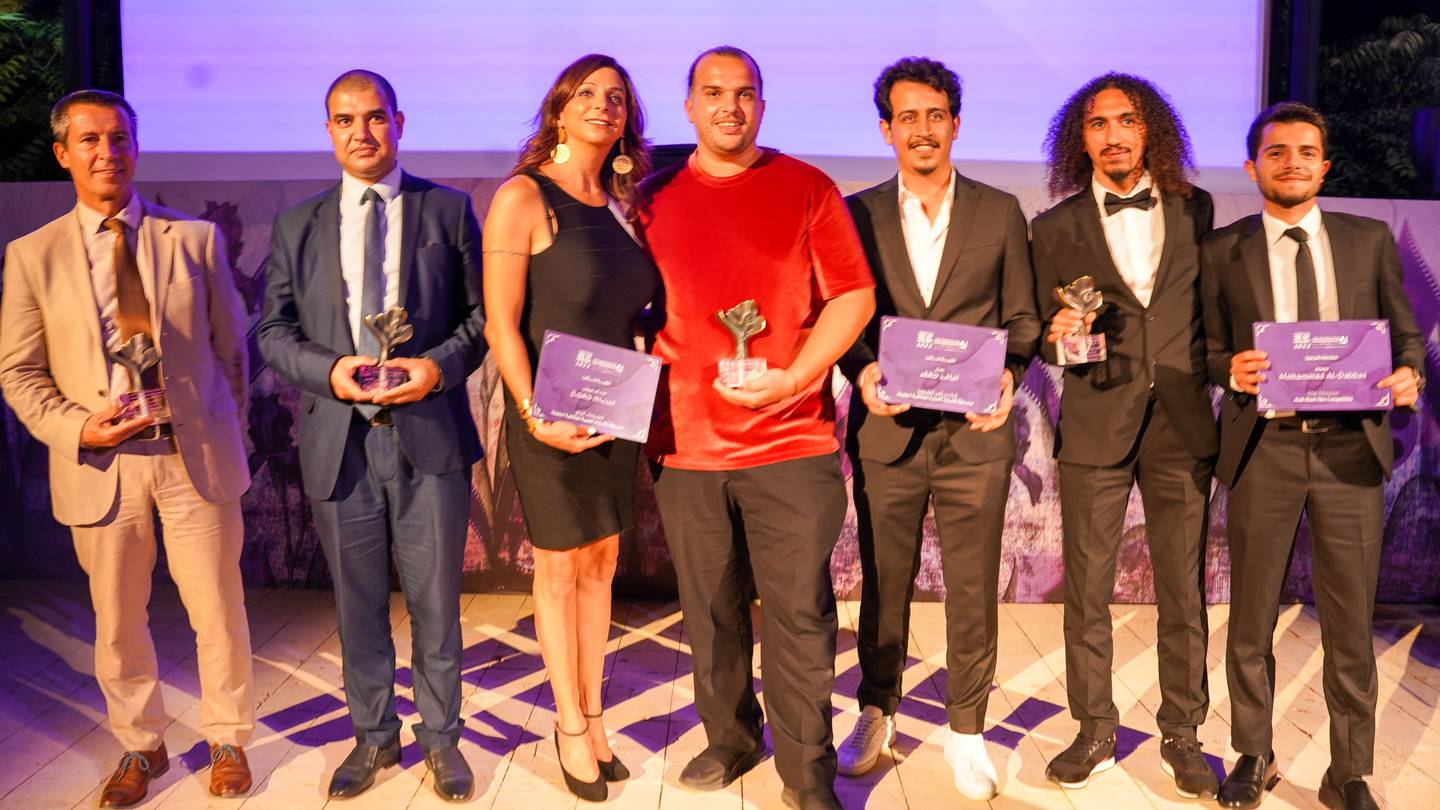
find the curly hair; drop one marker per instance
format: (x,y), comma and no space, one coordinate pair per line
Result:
(920,70)
(1167,147)
(535,149)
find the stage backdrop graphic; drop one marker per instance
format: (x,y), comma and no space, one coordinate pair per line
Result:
(281,547)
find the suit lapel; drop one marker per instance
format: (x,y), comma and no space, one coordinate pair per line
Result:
(962,217)
(890,239)
(1255,259)
(75,289)
(160,247)
(1344,262)
(1093,237)
(327,271)
(409,232)
(1172,209)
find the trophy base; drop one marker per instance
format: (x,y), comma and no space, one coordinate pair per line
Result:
(380,378)
(1075,350)
(151,403)
(735,373)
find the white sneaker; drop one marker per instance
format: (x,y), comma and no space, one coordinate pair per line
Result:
(874,732)
(975,776)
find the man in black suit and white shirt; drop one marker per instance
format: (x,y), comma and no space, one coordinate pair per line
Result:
(945,248)
(1293,262)
(1141,416)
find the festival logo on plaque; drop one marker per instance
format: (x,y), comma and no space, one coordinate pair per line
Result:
(1324,365)
(390,328)
(1080,346)
(596,385)
(137,355)
(941,366)
(743,321)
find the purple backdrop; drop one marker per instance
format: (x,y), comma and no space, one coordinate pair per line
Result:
(281,547)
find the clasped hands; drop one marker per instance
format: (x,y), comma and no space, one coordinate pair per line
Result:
(869,379)
(422,372)
(1247,370)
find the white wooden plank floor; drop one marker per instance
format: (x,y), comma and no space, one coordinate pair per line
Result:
(55,749)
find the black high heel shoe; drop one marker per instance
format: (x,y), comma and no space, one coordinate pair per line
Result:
(589,791)
(614,770)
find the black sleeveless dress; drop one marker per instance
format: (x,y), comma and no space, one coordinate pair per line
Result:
(591,282)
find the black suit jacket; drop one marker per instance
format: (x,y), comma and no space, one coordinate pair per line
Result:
(1237,293)
(1103,404)
(305,327)
(984,280)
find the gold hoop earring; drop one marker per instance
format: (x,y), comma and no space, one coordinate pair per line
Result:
(560,154)
(622,164)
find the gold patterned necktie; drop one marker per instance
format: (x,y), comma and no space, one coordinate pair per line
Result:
(132,314)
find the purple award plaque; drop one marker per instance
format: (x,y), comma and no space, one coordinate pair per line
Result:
(597,385)
(942,366)
(1324,365)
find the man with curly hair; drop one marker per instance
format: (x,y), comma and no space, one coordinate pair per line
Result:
(1139,416)
(945,248)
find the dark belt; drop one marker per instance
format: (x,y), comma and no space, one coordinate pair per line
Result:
(1326,423)
(383,418)
(162,430)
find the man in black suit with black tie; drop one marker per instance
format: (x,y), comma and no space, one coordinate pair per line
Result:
(1140,416)
(944,248)
(387,472)
(1293,262)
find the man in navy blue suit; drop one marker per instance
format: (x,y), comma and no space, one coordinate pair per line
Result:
(387,472)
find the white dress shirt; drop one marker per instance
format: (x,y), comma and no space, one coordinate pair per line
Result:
(100,250)
(1282,250)
(924,237)
(353,214)
(1135,236)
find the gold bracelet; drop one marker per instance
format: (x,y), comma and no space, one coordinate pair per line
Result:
(524,407)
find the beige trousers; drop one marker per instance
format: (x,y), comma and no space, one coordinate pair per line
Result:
(202,545)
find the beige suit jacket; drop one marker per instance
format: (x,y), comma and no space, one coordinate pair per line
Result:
(54,374)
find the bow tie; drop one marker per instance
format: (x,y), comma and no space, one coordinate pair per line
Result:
(1141,199)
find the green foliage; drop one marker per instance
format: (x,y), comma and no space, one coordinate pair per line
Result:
(1370,89)
(31,78)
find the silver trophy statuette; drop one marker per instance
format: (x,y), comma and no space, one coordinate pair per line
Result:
(390,329)
(137,355)
(1080,346)
(743,321)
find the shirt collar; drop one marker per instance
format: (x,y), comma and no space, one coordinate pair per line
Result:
(1100,191)
(92,221)
(1275,227)
(907,195)
(388,187)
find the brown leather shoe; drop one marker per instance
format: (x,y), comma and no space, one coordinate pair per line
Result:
(229,772)
(127,785)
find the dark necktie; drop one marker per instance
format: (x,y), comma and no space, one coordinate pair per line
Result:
(1307,296)
(372,285)
(1140,199)
(132,308)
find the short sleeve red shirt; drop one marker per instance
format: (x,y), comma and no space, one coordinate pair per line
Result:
(779,233)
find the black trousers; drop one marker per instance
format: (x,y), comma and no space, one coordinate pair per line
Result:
(381,506)
(1336,480)
(783,518)
(1175,490)
(890,501)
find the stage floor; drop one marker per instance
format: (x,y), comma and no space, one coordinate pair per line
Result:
(55,749)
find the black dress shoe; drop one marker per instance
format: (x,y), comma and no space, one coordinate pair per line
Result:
(1352,795)
(1248,781)
(452,778)
(592,791)
(612,769)
(714,768)
(357,773)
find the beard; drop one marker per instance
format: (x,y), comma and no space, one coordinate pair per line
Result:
(1121,177)
(1289,199)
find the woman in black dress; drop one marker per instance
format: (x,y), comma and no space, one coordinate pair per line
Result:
(559,255)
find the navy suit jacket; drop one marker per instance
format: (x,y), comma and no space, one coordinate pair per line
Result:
(305,328)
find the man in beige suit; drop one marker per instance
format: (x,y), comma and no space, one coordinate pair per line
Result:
(74,291)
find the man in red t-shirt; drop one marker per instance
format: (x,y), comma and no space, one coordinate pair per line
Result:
(752,473)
